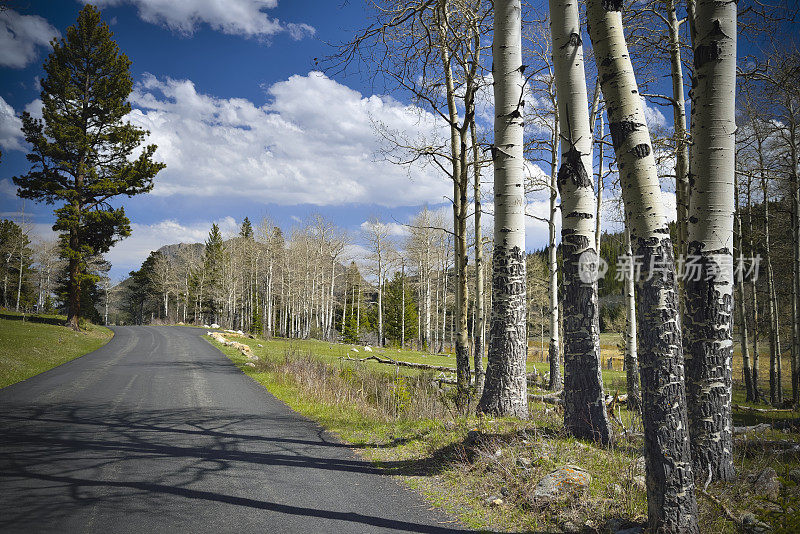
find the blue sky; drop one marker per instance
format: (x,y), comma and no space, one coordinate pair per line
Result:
(246,123)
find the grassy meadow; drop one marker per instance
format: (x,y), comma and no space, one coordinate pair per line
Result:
(38,343)
(484,470)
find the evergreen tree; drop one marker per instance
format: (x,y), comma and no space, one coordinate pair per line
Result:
(393,311)
(212,263)
(247,229)
(80,150)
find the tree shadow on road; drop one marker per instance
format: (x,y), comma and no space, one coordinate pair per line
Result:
(59,461)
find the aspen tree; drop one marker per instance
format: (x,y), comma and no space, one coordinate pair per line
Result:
(585,413)
(671,502)
(505,390)
(708,309)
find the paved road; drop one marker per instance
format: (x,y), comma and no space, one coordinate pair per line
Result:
(159,432)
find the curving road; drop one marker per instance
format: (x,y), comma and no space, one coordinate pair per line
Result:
(159,432)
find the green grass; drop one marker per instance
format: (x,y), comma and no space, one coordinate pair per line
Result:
(29,348)
(435,455)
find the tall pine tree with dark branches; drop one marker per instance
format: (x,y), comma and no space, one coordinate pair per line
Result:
(82,148)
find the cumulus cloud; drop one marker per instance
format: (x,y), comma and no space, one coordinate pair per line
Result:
(653,115)
(234,17)
(314,142)
(10,134)
(21,36)
(393,229)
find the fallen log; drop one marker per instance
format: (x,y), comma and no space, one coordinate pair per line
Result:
(551,398)
(760,410)
(412,365)
(755,428)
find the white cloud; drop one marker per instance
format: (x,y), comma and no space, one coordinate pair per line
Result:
(20,37)
(10,134)
(234,17)
(35,108)
(393,229)
(314,142)
(7,189)
(653,115)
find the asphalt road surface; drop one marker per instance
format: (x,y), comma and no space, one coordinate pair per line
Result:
(159,432)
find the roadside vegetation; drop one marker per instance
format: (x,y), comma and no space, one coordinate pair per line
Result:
(488,471)
(32,344)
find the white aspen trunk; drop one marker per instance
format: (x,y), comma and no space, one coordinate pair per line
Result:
(21,264)
(479,324)
(505,390)
(585,413)
(681,145)
(457,150)
(444,311)
(740,303)
(754,294)
(556,382)
(403,307)
(671,502)
(708,304)
(358,309)
(631,351)
(600,186)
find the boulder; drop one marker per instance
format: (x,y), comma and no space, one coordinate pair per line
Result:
(562,484)
(765,483)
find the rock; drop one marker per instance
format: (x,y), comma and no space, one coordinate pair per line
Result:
(214,325)
(794,475)
(367,348)
(252,357)
(250,364)
(260,345)
(765,483)
(751,524)
(569,526)
(504,491)
(639,464)
(561,484)
(640,483)
(496,502)
(524,462)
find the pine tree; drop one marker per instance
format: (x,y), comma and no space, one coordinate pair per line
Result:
(393,311)
(247,229)
(81,148)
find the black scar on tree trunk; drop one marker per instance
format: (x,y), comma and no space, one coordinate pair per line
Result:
(585,413)
(671,499)
(505,390)
(708,352)
(584,407)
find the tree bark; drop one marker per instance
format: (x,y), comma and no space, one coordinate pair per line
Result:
(708,310)
(631,349)
(585,415)
(505,389)
(480,312)
(740,296)
(671,502)
(556,382)
(752,248)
